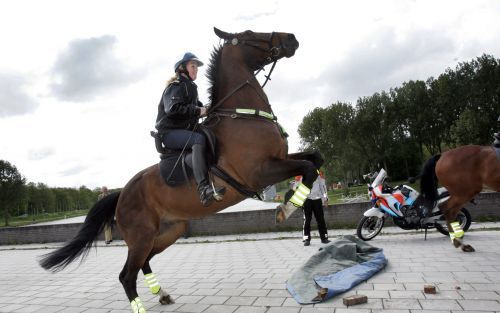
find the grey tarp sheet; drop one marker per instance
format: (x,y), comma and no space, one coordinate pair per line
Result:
(335,268)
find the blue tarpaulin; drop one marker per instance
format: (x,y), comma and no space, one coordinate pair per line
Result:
(334,269)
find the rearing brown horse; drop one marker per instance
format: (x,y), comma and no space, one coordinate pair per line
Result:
(463,171)
(151,215)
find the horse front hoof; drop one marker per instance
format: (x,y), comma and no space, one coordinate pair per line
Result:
(456,243)
(468,248)
(280,215)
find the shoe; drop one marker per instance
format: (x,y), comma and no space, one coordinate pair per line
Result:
(108,242)
(325,240)
(307,243)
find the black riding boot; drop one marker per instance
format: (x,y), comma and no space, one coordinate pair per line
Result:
(205,191)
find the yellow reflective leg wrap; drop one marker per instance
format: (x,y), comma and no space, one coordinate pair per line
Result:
(137,306)
(152,283)
(300,195)
(459,233)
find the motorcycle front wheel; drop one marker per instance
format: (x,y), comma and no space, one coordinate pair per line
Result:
(463,217)
(369,227)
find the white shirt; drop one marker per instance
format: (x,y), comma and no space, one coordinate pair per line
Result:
(318,189)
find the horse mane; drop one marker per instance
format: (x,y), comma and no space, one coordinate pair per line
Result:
(212,72)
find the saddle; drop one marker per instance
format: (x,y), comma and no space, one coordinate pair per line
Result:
(176,169)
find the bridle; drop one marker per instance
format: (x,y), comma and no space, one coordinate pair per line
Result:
(273,51)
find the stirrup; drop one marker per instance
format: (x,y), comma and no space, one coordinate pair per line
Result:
(209,194)
(218,196)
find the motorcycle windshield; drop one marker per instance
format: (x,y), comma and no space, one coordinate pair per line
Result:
(380,178)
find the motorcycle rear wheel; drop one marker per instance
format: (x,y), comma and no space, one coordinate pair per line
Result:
(369,227)
(463,217)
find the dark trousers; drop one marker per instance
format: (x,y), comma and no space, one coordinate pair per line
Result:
(316,207)
(177,138)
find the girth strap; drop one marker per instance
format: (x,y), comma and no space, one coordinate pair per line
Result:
(219,172)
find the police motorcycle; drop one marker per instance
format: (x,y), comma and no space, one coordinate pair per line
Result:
(406,208)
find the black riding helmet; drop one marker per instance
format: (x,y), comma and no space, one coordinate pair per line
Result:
(188,56)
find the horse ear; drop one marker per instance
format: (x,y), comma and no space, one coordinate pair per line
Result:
(221,34)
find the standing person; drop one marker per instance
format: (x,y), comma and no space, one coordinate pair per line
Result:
(177,122)
(316,200)
(108,227)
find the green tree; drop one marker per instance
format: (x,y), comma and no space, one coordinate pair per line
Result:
(372,132)
(86,198)
(476,122)
(11,189)
(47,198)
(327,130)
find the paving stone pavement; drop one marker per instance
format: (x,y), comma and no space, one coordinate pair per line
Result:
(249,276)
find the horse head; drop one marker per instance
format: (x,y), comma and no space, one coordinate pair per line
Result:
(260,49)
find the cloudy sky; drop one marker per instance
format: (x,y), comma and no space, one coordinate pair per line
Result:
(80,81)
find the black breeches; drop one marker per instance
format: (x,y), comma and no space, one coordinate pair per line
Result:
(176,139)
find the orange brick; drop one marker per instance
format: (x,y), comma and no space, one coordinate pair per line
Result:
(357,299)
(429,289)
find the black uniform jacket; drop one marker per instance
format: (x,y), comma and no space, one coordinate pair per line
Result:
(179,106)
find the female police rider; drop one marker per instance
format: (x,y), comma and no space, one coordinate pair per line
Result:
(178,113)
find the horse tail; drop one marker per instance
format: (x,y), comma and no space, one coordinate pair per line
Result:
(101,213)
(429,180)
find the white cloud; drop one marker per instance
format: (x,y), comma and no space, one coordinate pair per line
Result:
(40,153)
(16,98)
(89,68)
(384,61)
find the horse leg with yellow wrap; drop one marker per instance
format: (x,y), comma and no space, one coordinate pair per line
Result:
(454,229)
(151,243)
(307,165)
(168,234)
(154,285)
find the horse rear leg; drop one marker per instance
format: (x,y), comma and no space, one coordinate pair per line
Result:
(154,286)
(166,238)
(138,251)
(450,210)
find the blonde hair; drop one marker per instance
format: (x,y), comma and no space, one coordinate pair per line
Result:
(176,75)
(173,78)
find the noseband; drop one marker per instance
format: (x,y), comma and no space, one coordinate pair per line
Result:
(272,51)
